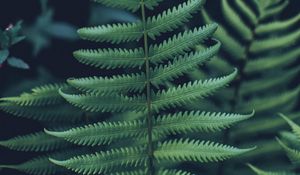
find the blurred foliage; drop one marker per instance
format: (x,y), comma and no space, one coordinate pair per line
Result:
(40,33)
(9,37)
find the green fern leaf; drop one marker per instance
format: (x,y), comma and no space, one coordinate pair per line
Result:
(39,141)
(196,151)
(103,132)
(108,85)
(268,44)
(273,10)
(106,132)
(180,43)
(132,5)
(234,19)
(196,121)
(230,44)
(267,103)
(40,96)
(40,165)
(111,58)
(104,162)
(294,155)
(172,19)
(293,125)
(272,61)
(107,103)
(54,113)
(277,26)
(268,82)
(161,74)
(173,172)
(261,172)
(247,11)
(188,92)
(115,33)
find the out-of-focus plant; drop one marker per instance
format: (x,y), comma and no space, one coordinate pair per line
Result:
(265,48)
(290,143)
(109,15)
(9,37)
(40,33)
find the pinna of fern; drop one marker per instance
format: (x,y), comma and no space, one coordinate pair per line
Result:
(143,92)
(264,47)
(289,142)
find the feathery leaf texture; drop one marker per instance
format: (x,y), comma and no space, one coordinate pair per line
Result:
(106,161)
(195,150)
(172,19)
(108,85)
(186,93)
(111,58)
(39,141)
(106,132)
(180,43)
(40,96)
(132,5)
(136,135)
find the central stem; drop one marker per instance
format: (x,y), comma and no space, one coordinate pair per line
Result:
(151,169)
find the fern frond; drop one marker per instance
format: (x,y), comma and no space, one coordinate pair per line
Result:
(172,19)
(268,82)
(187,92)
(115,33)
(107,103)
(261,172)
(230,44)
(173,172)
(293,125)
(181,65)
(37,142)
(237,23)
(277,26)
(40,96)
(39,165)
(105,162)
(280,42)
(294,155)
(102,133)
(54,113)
(272,61)
(247,11)
(273,10)
(108,85)
(196,121)
(180,43)
(106,132)
(266,103)
(197,151)
(111,58)
(132,5)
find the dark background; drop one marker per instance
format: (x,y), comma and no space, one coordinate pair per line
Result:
(57,59)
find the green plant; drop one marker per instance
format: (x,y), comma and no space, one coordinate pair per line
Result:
(289,142)
(9,37)
(143,126)
(264,48)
